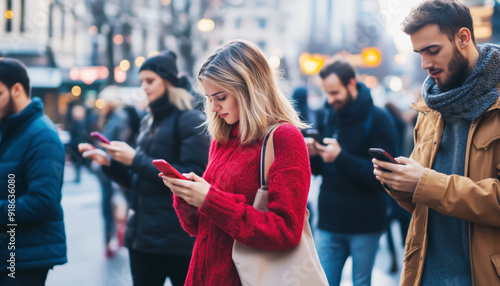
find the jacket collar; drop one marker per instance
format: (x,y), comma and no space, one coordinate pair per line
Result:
(161,107)
(420,106)
(495,105)
(360,106)
(20,120)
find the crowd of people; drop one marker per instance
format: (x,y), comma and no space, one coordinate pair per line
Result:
(185,229)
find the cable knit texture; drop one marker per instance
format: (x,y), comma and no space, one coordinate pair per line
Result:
(227,213)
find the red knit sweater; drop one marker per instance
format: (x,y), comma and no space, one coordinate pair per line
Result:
(227,213)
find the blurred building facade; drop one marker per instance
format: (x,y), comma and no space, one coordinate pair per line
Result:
(278,27)
(74,48)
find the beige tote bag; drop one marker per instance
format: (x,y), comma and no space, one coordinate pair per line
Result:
(297,266)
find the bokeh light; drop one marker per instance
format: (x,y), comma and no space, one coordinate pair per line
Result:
(139,61)
(274,61)
(206,25)
(76,90)
(118,39)
(125,65)
(9,14)
(93,30)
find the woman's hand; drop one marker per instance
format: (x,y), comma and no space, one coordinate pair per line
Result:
(97,155)
(120,151)
(82,147)
(193,192)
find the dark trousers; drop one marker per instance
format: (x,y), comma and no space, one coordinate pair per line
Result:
(30,277)
(151,269)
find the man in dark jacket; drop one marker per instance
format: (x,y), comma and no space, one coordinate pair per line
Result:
(352,203)
(32,238)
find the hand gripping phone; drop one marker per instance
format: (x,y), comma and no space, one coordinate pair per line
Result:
(98,136)
(167,169)
(382,155)
(314,134)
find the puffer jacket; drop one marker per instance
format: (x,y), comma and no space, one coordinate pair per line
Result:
(175,136)
(32,157)
(474,197)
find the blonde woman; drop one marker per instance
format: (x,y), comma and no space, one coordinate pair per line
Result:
(158,246)
(242,102)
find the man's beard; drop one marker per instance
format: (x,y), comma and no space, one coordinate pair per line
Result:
(348,101)
(458,71)
(8,110)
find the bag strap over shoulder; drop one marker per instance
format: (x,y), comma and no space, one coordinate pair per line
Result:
(267,156)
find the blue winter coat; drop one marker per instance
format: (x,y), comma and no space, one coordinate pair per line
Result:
(32,157)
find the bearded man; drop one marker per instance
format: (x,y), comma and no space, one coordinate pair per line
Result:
(352,204)
(451,182)
(32,238)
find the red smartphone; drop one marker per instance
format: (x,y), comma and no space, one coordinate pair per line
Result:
(167,169)
(100,137)
(382,155)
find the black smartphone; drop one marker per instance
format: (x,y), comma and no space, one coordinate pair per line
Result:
(314,134)
(382,155)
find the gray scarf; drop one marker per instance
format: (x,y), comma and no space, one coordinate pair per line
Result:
(475,96)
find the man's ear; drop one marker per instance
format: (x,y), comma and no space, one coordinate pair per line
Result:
(464,37)
(17,90)
(351,86)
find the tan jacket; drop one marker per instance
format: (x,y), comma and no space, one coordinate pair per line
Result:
(474,197)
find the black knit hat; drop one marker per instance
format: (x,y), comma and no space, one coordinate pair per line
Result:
(164,65)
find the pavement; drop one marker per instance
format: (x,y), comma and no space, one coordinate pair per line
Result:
(87,265)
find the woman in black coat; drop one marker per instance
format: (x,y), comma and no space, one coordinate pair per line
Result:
(157,244)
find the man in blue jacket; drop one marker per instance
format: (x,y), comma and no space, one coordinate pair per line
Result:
(352,203)
(32,238)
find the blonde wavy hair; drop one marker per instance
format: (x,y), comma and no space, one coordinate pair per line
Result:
(179,97)
(240,68)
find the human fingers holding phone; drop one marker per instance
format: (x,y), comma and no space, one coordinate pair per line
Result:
(120,151)
(401,177)
(311,149)
(193,191)
(97,155)
(82,147)
(330,152)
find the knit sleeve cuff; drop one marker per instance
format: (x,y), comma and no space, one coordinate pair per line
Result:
(188,215)
(221,207)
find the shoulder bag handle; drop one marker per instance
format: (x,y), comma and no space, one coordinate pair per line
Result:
(267,156)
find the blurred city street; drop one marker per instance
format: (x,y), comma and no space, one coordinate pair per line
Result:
(87,265)
(105,65)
